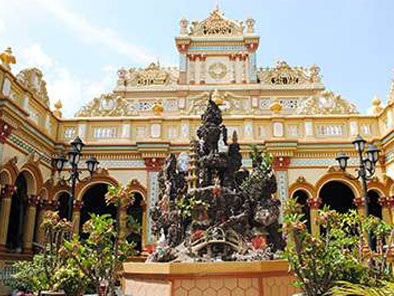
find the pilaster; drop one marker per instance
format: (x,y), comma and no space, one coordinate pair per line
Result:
(76,217)
(29,225)
(6,194)
(281,165)
(314,204)
(153,166)
(384,202)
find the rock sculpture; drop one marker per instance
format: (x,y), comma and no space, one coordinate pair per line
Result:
(216,211)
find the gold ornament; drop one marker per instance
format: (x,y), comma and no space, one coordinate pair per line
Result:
(158,108)
(217,70)
(7,58)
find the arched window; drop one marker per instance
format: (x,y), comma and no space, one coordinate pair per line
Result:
(94,202)
(338,196)
(302,198)
(135,215)
(374,206)
(17,215)
(65,206)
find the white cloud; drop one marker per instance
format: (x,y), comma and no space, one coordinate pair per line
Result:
(91,33)
(34,56)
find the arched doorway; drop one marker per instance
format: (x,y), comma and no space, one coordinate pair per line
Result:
(135,214)
(94,202)
(374,206)
(302,198)
(17,214)
(65,206)
(338,196)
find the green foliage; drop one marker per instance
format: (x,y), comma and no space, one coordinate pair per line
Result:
(335,255)
(100,256)
(188,206)
(350,289)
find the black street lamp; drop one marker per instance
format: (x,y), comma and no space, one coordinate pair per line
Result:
(366,170)
(74,155)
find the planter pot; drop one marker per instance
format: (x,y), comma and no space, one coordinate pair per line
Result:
(51,293)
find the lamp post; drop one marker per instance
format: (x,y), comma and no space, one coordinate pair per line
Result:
(74,155)
(366,169)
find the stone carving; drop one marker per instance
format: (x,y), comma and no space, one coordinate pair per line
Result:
(7,58)
(228,102)
(212,210)
(32,79)
(283,74)
(107,105)
(154,74)
(327,103)
(216,24)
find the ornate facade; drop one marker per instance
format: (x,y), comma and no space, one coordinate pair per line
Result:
(153,111)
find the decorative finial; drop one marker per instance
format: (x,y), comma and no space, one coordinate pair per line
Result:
(7,58)
(183,23)
(376,108)
(250,25)
(58,106)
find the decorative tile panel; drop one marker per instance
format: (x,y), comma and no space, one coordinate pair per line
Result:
(333,130)
(69,133)
(104,132)
(153,195)
(283,188)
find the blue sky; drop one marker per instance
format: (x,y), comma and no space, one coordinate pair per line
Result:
(80,44)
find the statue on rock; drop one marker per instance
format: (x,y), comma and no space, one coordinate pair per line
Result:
(216,211)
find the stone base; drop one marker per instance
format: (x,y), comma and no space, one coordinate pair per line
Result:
(259,278)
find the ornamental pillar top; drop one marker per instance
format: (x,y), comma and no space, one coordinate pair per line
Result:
(154,163)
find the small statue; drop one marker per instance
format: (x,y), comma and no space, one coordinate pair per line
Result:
(7,58)
(158,108)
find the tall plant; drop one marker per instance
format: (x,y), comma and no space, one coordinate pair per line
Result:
(338,254)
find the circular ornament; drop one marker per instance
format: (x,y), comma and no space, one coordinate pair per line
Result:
(217,70)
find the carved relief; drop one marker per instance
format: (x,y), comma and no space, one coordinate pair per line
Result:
(283,74)
(106,106)
(327,103)
(154,74)
(216,24)
(229,104)
(32,79)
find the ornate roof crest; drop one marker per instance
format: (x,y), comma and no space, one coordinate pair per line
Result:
(326,104)
(108,105)
(391,92)
(32,79)
(154,74)
(216,24)
(283,74)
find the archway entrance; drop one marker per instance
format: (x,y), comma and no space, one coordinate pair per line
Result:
(17,214)
(373,204)
(135,214)
(302,198)
(94,203)
(65,206)
(338,196)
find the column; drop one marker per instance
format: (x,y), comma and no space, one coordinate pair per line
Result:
(76,218)
(192,79)
(28,231)
(153,166)
(314,205)
(42,207)
(203,58)
(6,194)
(385,201)
(122,218)
(233,59)
(281,165)
(243,67)
(359,202)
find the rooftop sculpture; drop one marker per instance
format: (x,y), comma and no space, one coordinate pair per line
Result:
(213,210)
